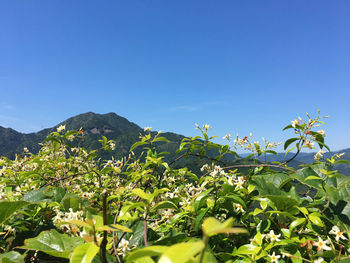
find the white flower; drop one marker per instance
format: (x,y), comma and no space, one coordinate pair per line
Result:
(238,208)
(319,155)
(239,182)
(112,145)
(338,234)
(206,127)
(147,129)
(322,245)
(124,245)
(295,123)
(204,167)
(273,237)
(227,136)
(61,128)
(25,149)
(319,260)
(274,258)
(309,144)
(322,132)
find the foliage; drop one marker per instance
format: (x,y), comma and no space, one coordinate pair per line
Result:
(66,202)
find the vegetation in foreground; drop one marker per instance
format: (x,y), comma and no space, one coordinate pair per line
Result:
(67,204)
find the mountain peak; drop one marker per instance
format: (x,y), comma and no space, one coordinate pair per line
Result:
(100,123)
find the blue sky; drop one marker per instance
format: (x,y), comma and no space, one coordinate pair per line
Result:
(240,66)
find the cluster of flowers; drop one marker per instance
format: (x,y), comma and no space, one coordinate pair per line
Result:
(67,217)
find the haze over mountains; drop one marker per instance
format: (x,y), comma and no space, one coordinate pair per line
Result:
(125,133)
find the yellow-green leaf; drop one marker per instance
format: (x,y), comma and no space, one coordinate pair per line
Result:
(182,252)
(212,226)
(84,253)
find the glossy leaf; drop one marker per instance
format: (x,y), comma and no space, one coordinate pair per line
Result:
(212,226)
(181,252)
(12,257)
(150,251)
(289,142)
(84,253)
(53,243)
(7,208)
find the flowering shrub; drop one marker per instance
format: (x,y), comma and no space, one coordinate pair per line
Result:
(66,203)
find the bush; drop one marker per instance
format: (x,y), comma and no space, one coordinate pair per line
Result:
(65,203)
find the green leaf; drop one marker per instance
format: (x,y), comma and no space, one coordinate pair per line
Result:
(144,260)
(200,201)
(200,217)
(342,162)
(321,145)
(84,253)
(298,257)
(180,253)
(12,257)
(313,177)
(212,226)
(140,193)
(314,218)
(151,251)
(36,196)
(296,223)
(207,258)
(114,227)
(247,249)
(161,139)
(70,201)
(137,144)
(288,127)
(7,208)
(164,205)
(289,142)
(53,243)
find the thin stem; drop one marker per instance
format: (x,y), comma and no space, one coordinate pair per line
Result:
(104,240)
(205,241)
(145,232)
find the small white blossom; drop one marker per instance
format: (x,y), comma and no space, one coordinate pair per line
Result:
(338,234)
(309,144)
(322,132)
(227,136)
(204,167)
(319,260)
(61,128)
(147,129)
(239,208)
(295,123)
(112,145)
(322,245)
(273,237)
(274,257)
(319,155)
(206,127)
(124,245)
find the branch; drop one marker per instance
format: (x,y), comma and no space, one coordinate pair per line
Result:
(104,240)
(258,165)
(296,154)
(67,177)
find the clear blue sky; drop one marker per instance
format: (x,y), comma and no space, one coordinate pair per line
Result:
(240,66)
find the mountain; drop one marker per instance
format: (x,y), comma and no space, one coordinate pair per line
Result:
(125,134)
(111,125)
(308,158)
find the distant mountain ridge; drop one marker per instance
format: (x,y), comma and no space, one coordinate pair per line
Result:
(94,125)
(125,133)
